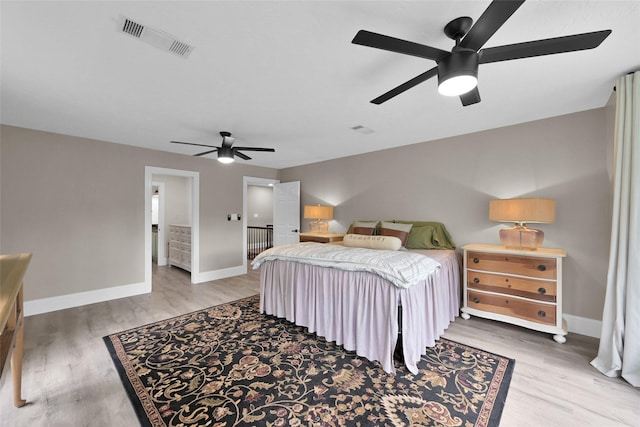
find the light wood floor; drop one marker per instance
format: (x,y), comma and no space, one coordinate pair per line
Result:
(70,380)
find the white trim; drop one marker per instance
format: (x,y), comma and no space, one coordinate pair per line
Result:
(46,305)
(583,325)
(149,171)
(223,273)
(246,182)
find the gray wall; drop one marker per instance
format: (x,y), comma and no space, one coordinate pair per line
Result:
(78,206)
(452,180)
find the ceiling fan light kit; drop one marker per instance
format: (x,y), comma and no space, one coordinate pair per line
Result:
(458,73)
(225,155)
(457,70)
(225,152)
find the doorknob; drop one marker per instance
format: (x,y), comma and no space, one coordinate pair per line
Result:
(295,230)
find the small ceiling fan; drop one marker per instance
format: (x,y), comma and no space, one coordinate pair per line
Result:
(226,152)
(457,70)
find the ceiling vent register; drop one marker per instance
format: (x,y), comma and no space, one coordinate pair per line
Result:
(156,38)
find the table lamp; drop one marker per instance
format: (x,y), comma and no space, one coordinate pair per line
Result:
(318,213)
(521,211)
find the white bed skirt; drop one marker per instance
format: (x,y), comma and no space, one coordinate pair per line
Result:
(359,310)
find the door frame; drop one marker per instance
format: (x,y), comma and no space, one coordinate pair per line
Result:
(163,257)
(149,171)
(246,182)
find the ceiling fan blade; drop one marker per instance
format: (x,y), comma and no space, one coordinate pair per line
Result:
(471,97)
(206,152)
(191,143)
(392,44)
(543,47)
(489,22)
(241,155)
(270,150)
(406,86)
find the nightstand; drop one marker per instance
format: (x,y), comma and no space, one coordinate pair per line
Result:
(321,237)
(520,287)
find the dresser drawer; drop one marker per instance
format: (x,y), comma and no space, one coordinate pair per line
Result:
(503,304)
(528,288)
(185,259)
(531,266)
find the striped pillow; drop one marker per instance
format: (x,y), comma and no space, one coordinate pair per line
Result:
(401,231)
(367,228)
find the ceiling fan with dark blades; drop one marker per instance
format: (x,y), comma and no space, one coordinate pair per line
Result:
(226,152)
(457,70)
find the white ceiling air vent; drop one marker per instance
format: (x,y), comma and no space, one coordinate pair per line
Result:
(363,129)
(156,38)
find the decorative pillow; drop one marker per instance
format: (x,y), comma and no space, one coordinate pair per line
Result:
(428,235)
(371,242)
(422,237)
(367,228)
(401,231)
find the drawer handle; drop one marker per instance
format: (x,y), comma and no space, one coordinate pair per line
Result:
(542,267)
(476,280)
(542,313)
(476,260)
(542,291)
(476,300)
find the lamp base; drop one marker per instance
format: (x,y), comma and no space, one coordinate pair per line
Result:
(521,237)
(319,227)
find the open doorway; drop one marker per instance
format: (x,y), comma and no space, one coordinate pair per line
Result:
(286,211)
(259,219)
(249,182)
(192,213)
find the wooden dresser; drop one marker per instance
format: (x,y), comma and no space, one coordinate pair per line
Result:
(180,246)
(515,286)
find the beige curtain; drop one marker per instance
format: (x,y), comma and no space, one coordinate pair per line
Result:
(619,352)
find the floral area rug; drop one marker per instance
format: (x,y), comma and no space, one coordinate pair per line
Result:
(229,365)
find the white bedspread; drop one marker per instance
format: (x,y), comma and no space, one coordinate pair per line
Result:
(402,268)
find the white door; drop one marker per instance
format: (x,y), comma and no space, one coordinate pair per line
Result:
(286,213)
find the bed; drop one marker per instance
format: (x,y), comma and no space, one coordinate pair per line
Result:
(363,308)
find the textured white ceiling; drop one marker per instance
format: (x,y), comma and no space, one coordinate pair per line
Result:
(284,74)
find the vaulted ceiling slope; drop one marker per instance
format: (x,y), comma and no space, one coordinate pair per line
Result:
(285,74)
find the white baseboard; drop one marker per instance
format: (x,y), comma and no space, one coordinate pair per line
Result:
(46,305)
(162,261)
(583,325)
(208,276)
(62,302)
(575,324)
